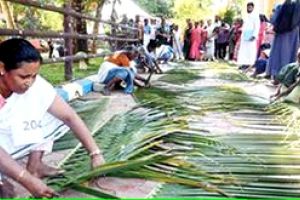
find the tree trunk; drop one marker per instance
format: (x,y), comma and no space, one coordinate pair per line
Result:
(7,11)
(113,18)
(96,24)
(68,50)
(80,27)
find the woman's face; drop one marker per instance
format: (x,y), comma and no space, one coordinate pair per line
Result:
(19,80)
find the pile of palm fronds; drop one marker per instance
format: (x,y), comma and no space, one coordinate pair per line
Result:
(157,142)
(181,76)
(289,116)
(199,100)
(145,144)
(185,74)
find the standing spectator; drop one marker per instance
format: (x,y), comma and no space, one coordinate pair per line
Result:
(163,32)
(217,25)
(262,31)
(269,34)
(218,21)
(210,43)
(222,41)
(176,43)
(204,38)
(286,20)
(231,41)
(147,32)
(140,32)
(237,38)
(51,48)
(153,26)
(124,22)
(171,35)
(248,49)
(187,39)
(196,40)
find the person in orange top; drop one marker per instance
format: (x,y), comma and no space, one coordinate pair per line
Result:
(117,68)
(121,59)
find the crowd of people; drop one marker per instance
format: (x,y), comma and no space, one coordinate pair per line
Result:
(259,45)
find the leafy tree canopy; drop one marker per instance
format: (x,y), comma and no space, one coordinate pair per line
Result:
(157,7)
(195,10)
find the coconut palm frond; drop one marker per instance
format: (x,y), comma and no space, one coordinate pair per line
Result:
(93,192)
(158,98)
(132,143)
(180,76)
(262,168)
(169,139)
(200,100)
(287,115)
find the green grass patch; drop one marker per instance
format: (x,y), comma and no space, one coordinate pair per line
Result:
(54,73)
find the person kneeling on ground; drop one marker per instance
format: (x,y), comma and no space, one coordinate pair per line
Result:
(117,69)
(32,117)
(164,53)
(289,78)
(260,64)
(146,60)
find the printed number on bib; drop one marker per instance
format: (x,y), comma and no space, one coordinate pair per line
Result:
(32,125)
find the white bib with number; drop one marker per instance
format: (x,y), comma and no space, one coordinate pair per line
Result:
(27,131)
(23,113)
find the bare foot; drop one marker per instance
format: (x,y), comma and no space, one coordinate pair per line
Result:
(6,189)
(42,171)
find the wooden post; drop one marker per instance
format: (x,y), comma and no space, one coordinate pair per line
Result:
(68,43)
(113,26)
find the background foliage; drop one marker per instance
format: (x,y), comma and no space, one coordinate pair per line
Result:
(157,7)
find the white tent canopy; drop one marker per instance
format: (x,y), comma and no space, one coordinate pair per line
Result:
(128,7)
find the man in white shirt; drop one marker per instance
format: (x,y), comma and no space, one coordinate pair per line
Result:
(248,49)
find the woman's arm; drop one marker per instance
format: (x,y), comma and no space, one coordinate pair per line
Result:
(11,168)
(61,110)
(289,90)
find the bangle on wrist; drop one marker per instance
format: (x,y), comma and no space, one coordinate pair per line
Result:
(21,175)
(95,153)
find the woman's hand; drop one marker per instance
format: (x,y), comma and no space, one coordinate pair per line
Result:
(37,188)
(274,98)
(97,160)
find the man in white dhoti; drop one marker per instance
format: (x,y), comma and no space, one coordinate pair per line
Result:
(210,44)
(248,50)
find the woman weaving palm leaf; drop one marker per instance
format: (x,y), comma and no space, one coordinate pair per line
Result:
(32,116)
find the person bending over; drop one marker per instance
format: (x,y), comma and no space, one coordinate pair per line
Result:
(117,68)
(32,116)
(289,78)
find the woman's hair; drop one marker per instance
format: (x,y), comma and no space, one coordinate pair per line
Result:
(14,52)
